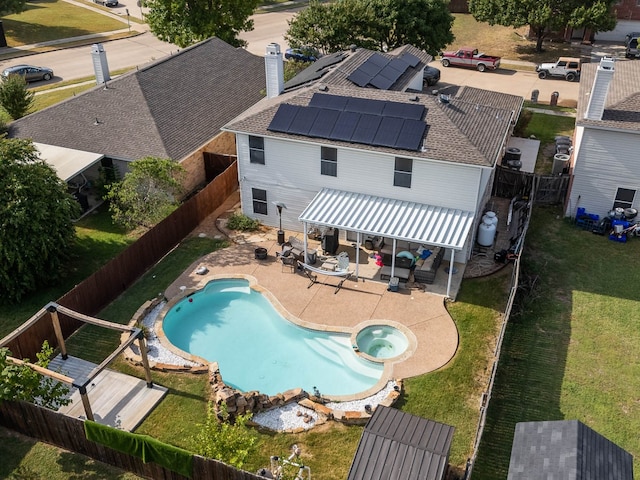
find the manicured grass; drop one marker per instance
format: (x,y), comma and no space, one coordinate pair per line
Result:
(54,96)
(573,350)
(47,20)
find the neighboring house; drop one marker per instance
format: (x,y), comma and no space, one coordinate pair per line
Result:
(567,450)
(173,108)
(607,136)
(374,162)
(396,444)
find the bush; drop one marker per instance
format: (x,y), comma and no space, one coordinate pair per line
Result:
(239,221)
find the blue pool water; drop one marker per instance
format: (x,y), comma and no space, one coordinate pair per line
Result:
(257,349)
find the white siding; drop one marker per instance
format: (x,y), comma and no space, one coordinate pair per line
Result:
(291,175)
(606,161)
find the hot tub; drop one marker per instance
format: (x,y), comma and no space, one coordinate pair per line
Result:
(381,341)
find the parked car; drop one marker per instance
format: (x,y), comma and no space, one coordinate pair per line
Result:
(631,45)
(107,3)
(430,76)
(303,54)
(30,73)
(470,57)
(566,67)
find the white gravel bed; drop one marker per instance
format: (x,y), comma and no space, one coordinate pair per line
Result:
(287,417)
(156,352)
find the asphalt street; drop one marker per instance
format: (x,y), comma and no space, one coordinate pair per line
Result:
(270,27)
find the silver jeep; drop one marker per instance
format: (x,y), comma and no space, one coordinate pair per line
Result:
(566,67)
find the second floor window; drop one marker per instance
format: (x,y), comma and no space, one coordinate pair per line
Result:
(256,150)
(329,161)
(402,172)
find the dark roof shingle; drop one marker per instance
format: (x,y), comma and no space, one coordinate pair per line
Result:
(167,109)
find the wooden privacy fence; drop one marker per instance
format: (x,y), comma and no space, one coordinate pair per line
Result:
(106,284)
(68,433)
(547,189)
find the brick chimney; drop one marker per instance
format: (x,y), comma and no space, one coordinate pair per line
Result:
(600,89)
(274,69)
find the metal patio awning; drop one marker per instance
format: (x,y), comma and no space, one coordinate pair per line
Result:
(379,216)
(67,162)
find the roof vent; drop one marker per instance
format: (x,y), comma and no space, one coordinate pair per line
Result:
(414,98)
(353,47)
(322,87)
(96,121)
(445,98)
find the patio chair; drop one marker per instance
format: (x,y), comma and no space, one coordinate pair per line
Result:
(288,261)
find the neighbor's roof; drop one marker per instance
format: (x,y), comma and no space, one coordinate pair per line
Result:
(622,106)
(396,444)
(67,162)
(167,109)
(567,450)
(333,69)
(387,217)
(470,129)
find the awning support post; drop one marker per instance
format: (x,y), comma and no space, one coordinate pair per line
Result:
(357,253)
(393,258)
(450,272)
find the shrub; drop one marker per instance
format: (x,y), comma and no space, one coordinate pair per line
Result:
(239,221)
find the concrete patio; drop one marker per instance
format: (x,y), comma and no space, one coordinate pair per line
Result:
(361,299)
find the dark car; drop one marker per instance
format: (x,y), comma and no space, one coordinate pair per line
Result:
(430,76)
(30,73)
(107,3)
(304,54)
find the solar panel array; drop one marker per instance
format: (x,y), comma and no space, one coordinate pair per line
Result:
(382,72)
(358,120)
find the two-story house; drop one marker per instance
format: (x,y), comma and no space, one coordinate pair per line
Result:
(370,161)
(607,136)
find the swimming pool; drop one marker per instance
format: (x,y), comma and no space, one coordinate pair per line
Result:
(257,349)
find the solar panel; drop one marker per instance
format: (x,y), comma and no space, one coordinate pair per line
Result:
(381,82)
(360,78)
(411,135)
(412,60)
(370,67)
(324,123)
(326,100)
(378,59)
(398,64)
(366,130)
(404,110)
(345,126)
(388,132)
(304,120)
(283,118)
(365,105)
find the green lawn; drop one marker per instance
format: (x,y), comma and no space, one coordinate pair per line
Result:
(573,351)
(46,20)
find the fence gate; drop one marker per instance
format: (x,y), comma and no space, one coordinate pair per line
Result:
(549,189)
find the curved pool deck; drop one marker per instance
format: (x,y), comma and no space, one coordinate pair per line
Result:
(357,302)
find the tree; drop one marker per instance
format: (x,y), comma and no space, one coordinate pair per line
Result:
(15,98)
(8,7)
(36,212)
(544,16)
(228,442)
(147,193)
(372,24)
(185,22)
(22,383)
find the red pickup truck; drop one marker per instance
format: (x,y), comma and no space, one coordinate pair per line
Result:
(469,57)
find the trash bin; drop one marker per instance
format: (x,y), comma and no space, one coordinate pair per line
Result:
(394,283)
(554,99)
(534,96)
